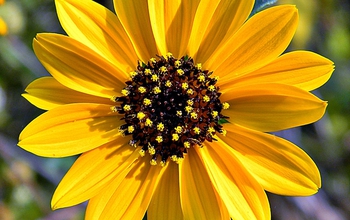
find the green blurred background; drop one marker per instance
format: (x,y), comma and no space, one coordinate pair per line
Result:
(27,182)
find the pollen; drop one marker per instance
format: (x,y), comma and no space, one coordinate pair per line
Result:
(148,122)
(170,105)
(147,102)
(175,137)
(140,115)
(196,130)
(159,139)
(160,126)
(125,92)
(142,89)
(127,108)
(225,105)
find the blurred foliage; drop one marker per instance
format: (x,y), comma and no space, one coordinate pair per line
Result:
(27,182)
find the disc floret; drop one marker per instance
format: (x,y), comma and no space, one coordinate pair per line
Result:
(170,105)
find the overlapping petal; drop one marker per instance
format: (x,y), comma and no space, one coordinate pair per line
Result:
(258,42)
(198,197)
(135,18)
(165,202)
(92,171)
(241,193)
(99,29)
(278,165)
(77,66)
(70,129)
(46,93)
(303,69)
(129,197)
(272,107)
(227,19)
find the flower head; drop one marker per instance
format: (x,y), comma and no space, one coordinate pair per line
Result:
(168,103)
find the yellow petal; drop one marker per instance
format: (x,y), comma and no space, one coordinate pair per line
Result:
(165,203)
(258,42)
(198,198)
(227,19)
(135,19)
(3,27)
(130,198)
(278,165)
(99,29)
(92,171)
(171,24)
(272,107)
(70,129)
(46,93)
(78,67)
(303,69)
(241,193)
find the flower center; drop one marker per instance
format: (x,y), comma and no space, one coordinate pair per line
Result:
(169,106)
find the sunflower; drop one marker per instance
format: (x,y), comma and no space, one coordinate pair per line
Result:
(169,105)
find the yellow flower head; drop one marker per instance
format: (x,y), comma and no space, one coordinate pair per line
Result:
(223,158)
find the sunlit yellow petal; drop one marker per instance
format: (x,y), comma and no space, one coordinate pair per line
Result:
(46,93)
(198,199)
(92,171)
(135,19)
(258,42)
(165,203)
(227,19)
(130,198)
(272,107)
(171,24)
(77,67)
(99,29)
(303,69)
(242,194)
(278,165)
(70,129)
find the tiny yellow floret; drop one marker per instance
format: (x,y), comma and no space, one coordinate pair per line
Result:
(148,122)
(178,129)
(153,162)
(151,149)
(225,105)
(211,130)
(133,74)
(154,78)
(147,102)
(126,108)
(190,92)
(131,129)
(187,144)
(199,66)
(157,90)
(142,89)
(201,78)
(188,109)
(196,130)
(159,139)
(184,85)
(163,69)
(178,113)
(142,153)
(206,98)
(194,115)
(190,102)
(180,72)
(140,115)
(175,137)
(168,83)
(214,114)
(211,88)
(148,72)
(177,63)
(125,92)
(160,126)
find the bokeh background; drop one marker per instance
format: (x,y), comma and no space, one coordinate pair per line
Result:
(27,182)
